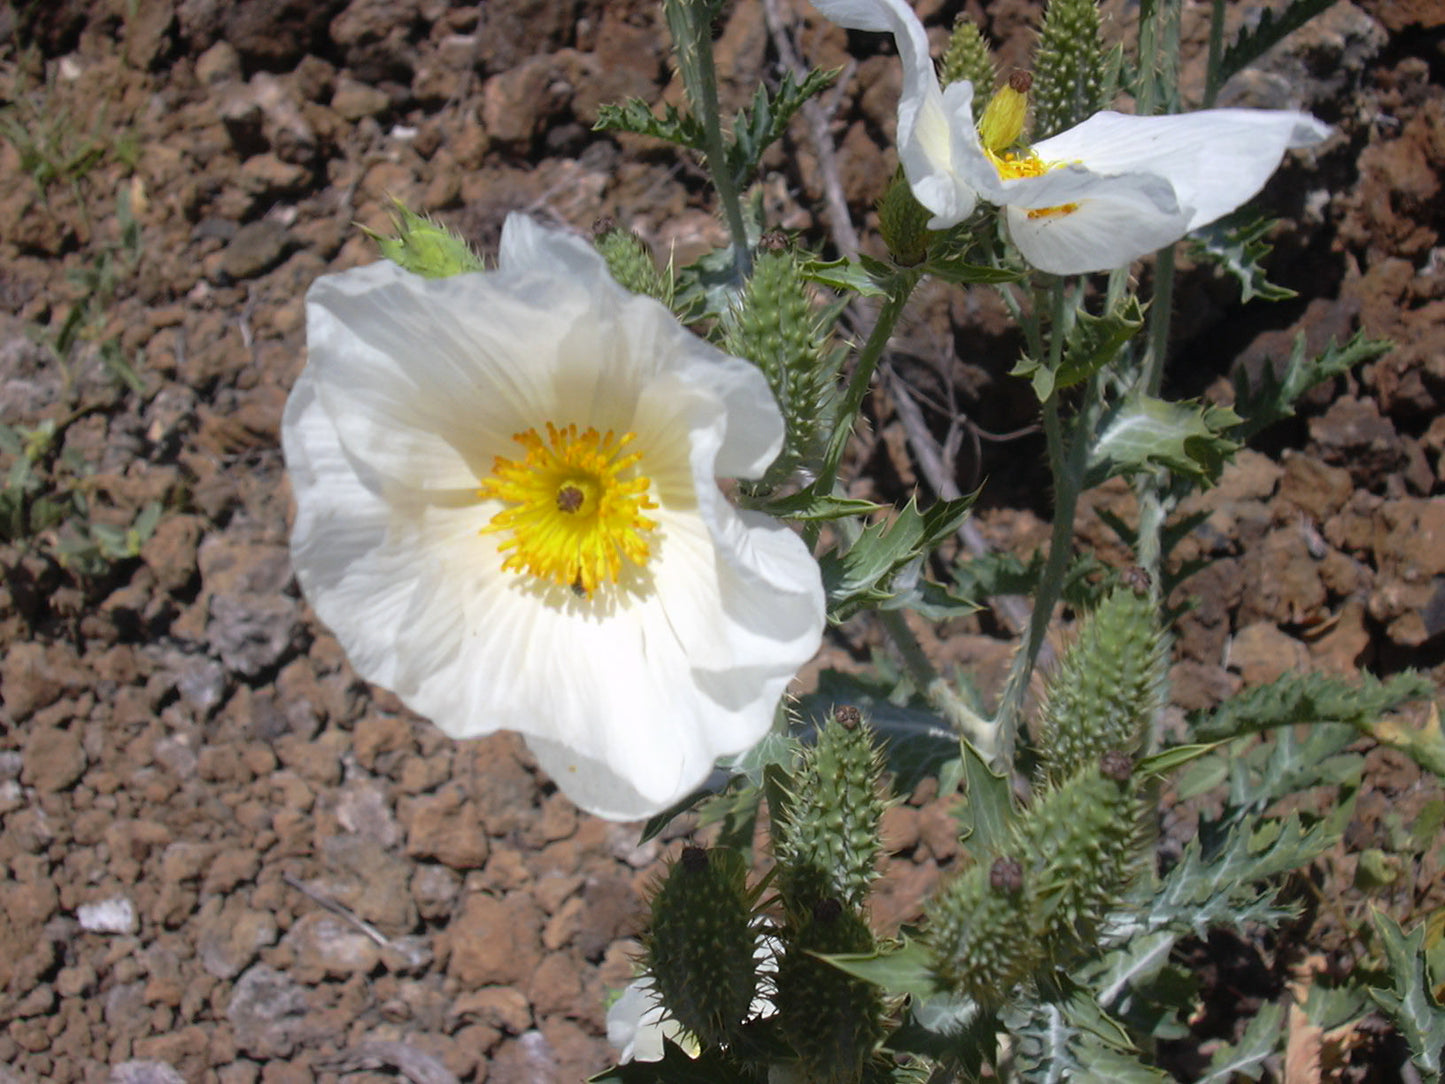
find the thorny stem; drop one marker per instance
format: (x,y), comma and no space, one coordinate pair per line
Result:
(691,26)
(862,379)
(1068,460)
(1216,53)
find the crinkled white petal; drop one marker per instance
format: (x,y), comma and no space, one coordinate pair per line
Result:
(411,389)
(637,1024)
(1099,234)
(935,128)
(1214,160)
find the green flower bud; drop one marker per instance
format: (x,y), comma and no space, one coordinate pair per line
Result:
(630,261)
(967,57)
(424,246)
(830,1019)
(980,931)
(1080,845)
(1106,689)
(777,325)
(700,944)
(903,222)
(827,836)
(1070,77)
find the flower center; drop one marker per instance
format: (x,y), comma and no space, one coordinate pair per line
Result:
(1018,164)
(574,507)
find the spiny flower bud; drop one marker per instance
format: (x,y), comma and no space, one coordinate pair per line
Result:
(980,932)
(830,825)
(424,246)
(700,943)
(967,57)
(777,326)
(1079,846)
(903,222)
(830,1019)
(630,260)
(1002,124)
(1071,81)
(1108,685)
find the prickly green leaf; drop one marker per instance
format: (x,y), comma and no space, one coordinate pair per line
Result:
(1311,698)
(1273,397)
(952,267)
(897,968)
(1408,1001)
(1253,42)
(864,575)
(1425,745)
(1262,1038)
(1238,249)
(635,115)
(846,276)
(988,812)
(1144,433)
(760,125)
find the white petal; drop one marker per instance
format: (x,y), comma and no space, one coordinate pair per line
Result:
(1100,233)
(934,130)
(1215,160)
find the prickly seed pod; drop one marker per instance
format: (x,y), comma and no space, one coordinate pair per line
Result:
(903,222)
(1069,64)
(424,246)
(980,932)
(1080,846)
(967,57)
(1107,687)
(777,326)
(630,260)
(831,1020)
(699,946)
(831,823)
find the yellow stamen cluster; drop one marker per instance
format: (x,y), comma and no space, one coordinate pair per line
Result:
(1002,126)
(575,507)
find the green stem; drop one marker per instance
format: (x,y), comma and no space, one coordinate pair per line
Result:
(1216,53)
(862,378)
(690,22)
(941,695)
(1161,314)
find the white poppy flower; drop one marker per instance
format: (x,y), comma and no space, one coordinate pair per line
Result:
(507,513)
(1093,198)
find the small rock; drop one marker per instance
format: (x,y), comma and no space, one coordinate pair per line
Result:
(256,248)
(267,1010)
(144,1072)
(54,759)
(496,1006)
(445,826)
(218,64)
(116,915)
(230,934)
(1262,653)
(495,941)
(324,946)
(353,100)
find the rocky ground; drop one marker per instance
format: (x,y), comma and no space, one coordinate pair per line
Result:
(225,858)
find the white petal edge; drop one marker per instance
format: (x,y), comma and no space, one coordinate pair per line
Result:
(1215,159)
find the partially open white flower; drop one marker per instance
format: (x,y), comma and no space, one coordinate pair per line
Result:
(507,512)
(1093,198)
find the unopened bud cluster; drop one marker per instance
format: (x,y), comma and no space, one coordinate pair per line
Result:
(1071,81)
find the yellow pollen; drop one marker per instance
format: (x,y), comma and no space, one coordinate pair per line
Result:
(1028,164)
(574,507)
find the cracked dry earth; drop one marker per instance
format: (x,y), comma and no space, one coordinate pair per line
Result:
(224,858)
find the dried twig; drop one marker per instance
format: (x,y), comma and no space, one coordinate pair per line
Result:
(840,222)
(415,1065)
(337,909)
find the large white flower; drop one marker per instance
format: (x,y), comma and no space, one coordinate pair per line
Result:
(1093,198)
(507,512)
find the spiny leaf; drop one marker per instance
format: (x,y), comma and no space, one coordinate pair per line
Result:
(1238,249)
(1408,1001)
(760,125)
(1144,433)
(635,115)
(1273,398)
(1311,698)
(1268,32)
(1246,1058)
(865,574)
